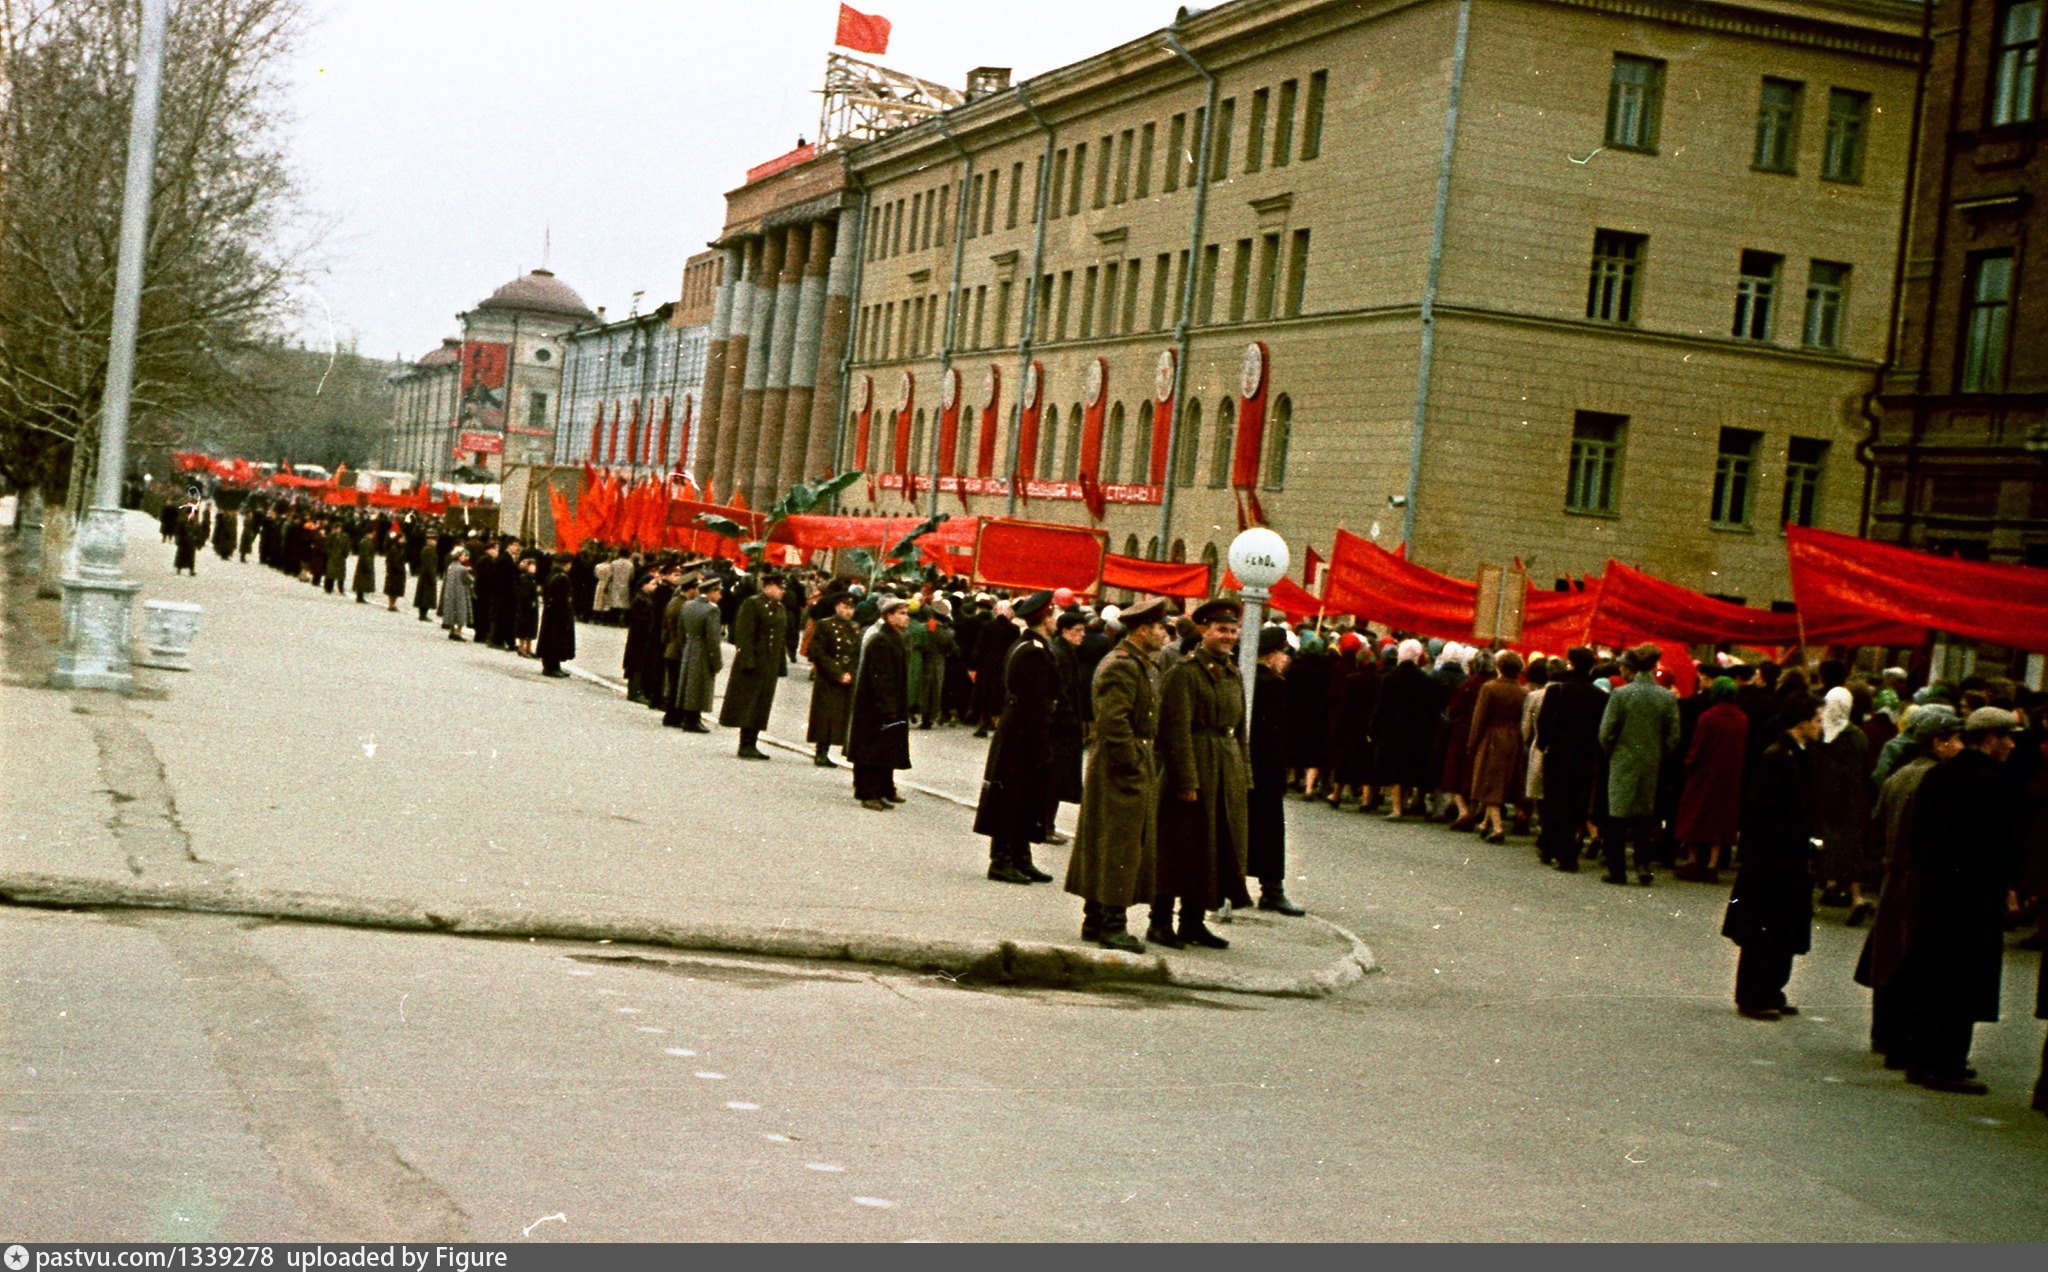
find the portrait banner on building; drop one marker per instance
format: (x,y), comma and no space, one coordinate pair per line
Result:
(1029,402)
(985,444)
(482,391)
(1253,379)
(1162,416)
(906,394)
(863,430)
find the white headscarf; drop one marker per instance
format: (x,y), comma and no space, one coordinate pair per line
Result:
(1834,712)
(1410,651)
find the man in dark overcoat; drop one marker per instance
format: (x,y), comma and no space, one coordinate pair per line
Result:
(1114,864)
(483,579)
(1266,801)
(1069,719)
(703,654)
(835,653)
(1967,821)
(338,547)
(364,580)
(672,650)
(1202,816)
(1016,779)
(1770,910)
(991,650)
(1568,735)
(878,733)
(759,654)
(557,642)
(223,533)
(429,581)
(1639,734)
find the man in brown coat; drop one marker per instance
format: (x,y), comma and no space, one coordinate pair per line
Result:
(1114,862)
(1203,819)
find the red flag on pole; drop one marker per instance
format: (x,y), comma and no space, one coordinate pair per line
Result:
(862,32)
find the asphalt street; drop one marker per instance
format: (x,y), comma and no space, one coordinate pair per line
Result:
(1540,1057)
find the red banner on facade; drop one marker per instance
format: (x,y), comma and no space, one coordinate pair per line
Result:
(1033,397)
(480,443)
(985,444)
(1253,381)
(1162,416)
(906,393)
(1156,578)
(1091,436)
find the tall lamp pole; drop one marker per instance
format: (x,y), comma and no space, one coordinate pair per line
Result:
(99,603)
(1258,557)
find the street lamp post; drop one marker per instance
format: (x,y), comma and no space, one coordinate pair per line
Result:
(99,603)
(1258,557)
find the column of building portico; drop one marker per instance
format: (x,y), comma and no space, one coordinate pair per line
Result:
(803,359)
(819,459)
(775,388)
(754,381)
(738,347)
(715,361)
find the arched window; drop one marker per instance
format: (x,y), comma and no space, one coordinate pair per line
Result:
(1048,444)
(1209,559)
(1130,550)
(1141,453)
(917,442)
(1180,551)
(1152,549)
(1113,445)
(963,442)
(1226,433)
(1190,444)
(1275,463)
(1070,462)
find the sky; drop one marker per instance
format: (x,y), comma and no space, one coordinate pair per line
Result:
(440,144)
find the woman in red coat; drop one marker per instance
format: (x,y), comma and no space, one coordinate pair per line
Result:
(1710,808)
(1456,776)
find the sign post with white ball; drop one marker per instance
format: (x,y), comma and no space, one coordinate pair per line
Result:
(1258,557)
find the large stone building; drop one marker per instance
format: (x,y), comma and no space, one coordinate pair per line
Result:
(489,396)
(1959,453)
(1548,279)
(630,391)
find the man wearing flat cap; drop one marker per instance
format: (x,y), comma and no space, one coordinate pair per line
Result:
(1114,864)
(1965,844)
(758,655)
(703,652)
(1016,787)
(878,736)
(1203,821)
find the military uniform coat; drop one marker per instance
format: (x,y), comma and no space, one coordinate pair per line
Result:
(1115,856)
(394,568)
(835,652)
(1202,841)
(429,582)
(1016,780)
(1638,731)
(557,641)
(703,654)
(365,581)
(337,555)
(879,735)
(760,652)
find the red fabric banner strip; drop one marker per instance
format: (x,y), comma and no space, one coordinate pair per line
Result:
(1037,554)
(903,456)
(1156,578)
(812,531)
(1633,606)
(1854,591)
(949,438)
(1162,440)
(633,455)
(985,444)
(1090,475)
(683,435)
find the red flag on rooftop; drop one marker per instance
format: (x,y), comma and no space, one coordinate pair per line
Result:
(862,32)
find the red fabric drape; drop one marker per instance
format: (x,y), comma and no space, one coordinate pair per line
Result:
(903,456)
(862,32)
(1632,606)
(1854,591)
(1027,428)
(1162,418)
(1294,600)
(985,444)
(1091,444)
(667,423)
(812,531)
(633,456)
(1370,582)
(611,446)
(949,429)
(1156,578)
(1037,554)
(1251,436)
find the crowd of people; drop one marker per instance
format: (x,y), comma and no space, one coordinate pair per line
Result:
(1924,807)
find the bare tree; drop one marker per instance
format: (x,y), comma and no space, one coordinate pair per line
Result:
(220,272)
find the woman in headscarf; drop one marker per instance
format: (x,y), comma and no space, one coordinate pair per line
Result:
(457,610)
(1710,806)
(1494,739)
(1842,798)
(1402,726)
(1308,711)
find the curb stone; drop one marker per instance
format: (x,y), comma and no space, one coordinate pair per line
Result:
(973,962)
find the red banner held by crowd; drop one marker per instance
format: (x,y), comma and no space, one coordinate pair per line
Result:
(1853,591)
(1040,554)
(1182,579)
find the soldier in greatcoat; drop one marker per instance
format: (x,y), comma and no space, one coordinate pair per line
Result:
(878,733)
(672,651)
(835,649)
(338,545)
(429,583)
(1114,862)
(1016,781)
(703,653)
(1202,814)
(759,654)
(365,580)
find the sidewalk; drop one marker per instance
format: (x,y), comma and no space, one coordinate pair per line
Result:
(334,761)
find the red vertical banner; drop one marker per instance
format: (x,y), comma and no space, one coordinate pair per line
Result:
(985,444)
(949,423)
(863,430)
(1162,416)
(683,436)
(1032,399)
(611,445)
(633,458)
(1095,401)
(596,432)
(1253,380)
(667,423)
(906,393)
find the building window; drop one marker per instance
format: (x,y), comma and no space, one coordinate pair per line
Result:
(1189,446)
(1088,302)
(1205,286)
(1987,307)
(1848,121)
(1804,458)
(1283,123)
(1226,437)
(1016,187)
(1146,136)
(1102,157)
(1160,265)
(1827,283)
(1219,143)
(1734,469)
(1130,322)
(1312,116)
(1195,132)
(1048,444)
(1070,465)
(988,216)
(1141,452)
(1593,485)
(1240,278)
(1777,126)
(1755,292)
(917,443)
(2016,62)
(1123,164)
(1002,313)
(1279,432)
(1635,100)
(1080,176)
(1066,295)
(1617,275)
(1112,277)
(537,408)
(1059,185)
(1297,275)
(973,203)
(1113,446)
(1255,131)
(1176,139)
